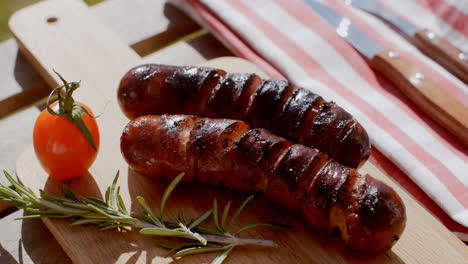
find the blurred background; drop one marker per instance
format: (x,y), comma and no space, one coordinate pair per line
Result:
(8,7)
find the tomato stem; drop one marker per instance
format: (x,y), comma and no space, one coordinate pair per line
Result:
(69,109)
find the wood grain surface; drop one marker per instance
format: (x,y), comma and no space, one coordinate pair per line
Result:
(80,47)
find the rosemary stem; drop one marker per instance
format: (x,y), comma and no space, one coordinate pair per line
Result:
(194,235)
(61,208)
(141,224)
(229,240)
(239,241)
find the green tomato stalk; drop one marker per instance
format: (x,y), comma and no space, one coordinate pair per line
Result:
(69,109)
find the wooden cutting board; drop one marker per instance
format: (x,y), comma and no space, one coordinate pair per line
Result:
(65,36)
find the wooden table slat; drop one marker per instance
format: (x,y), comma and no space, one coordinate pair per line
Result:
(192,52)
(28,241)
(145,25)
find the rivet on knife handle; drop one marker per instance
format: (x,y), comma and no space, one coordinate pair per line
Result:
(444,52)
(425,93)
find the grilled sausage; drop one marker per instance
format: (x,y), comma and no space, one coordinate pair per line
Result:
(369,215)
(278,106)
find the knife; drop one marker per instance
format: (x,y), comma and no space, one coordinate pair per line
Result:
(436,47)
(437,103)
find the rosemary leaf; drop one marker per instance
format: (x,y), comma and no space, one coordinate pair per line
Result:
(75,205)
(69,193)
(215,215)
(144,205)
(112,190)
(176,248)
(19,187)
(107,195)
(203,230)
(157,231)
(220,259)
(182,216)
(225,214)
(121,205)
(249,226)
(238,211)
(143,218)
(44,215)
(97,210)
(196,250)
(60,208)
(98,203)
(8,192)
(31,192)
(86,221)
(112,226)
(28,217)
(200,219)
(168,192)
(48,196)
(33,210)
(172,246)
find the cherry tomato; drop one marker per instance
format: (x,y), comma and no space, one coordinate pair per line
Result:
(60,146)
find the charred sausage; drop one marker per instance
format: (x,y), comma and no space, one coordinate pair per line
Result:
(278,106)
(369,215)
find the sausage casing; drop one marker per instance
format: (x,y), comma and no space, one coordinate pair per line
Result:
(369,214)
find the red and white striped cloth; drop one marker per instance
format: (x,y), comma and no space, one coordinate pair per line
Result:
(288,40)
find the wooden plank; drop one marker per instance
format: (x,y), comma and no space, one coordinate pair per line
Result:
(16,73)
(148,25)
(28,241)
(425,239)
(15,135)
(191,52)
(30,96)
(15,78)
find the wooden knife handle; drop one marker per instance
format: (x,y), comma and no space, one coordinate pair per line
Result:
(444,52)
(425,93)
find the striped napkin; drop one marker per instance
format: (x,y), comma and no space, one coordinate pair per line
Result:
(289,41)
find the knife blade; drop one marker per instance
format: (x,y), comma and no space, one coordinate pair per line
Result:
(436,47)
(427,95)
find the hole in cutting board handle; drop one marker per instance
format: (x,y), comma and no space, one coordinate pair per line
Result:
(52,19)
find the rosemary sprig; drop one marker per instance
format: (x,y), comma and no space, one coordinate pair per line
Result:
(112,214)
